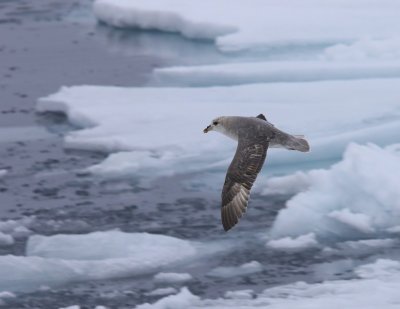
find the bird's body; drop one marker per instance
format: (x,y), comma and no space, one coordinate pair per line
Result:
(254,135)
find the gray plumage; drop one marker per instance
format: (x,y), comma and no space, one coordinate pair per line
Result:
(254,135)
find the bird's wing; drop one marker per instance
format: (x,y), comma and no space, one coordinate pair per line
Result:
(247,163)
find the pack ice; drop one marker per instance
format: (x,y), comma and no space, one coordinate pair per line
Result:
(237,25)
(61,259)
(158,131)
(375,287)
(358,197)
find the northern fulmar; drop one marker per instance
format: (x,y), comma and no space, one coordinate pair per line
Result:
(254,136)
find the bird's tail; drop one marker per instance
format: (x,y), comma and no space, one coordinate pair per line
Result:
(297,142)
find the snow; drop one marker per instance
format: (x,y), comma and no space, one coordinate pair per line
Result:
(172,277)
(130,120)
(236,25)
(236,271)
(375,287)
(61,259)
(294,244)
(274,71)
(346,201)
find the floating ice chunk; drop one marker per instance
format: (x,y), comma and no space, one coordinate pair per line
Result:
(6,294)
(6,240)
(358,221)
(240,294)
(61,259)
(366,49)
(162,291)
(183,300)
(137,116)
(348,200)
(289,184)
(274,71)
(298,243)
(376,287)
(237,25)
(234,271)
(17,228)
(174,16)
(111,245)
(172,277)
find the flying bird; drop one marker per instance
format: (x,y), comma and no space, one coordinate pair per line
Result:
(254,135)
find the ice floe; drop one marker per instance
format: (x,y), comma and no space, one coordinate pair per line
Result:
(274,71)
(234,271)
(346,201)
(61,259)
(375,287)
(294,244)
(158,131)
(259,24)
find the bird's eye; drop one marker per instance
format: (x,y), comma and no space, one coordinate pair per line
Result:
(215,123)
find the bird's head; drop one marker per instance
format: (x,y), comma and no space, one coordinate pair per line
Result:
(216,125)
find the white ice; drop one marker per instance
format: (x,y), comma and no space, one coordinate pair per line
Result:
(3,173)
(61,259)
(159,130)
(239,25)
(274,71)
(294,244)
(375,287)
(346,201)
(236,271)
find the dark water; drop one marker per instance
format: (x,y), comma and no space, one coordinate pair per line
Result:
(48,44)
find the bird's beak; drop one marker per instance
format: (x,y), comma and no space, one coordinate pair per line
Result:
(207,129)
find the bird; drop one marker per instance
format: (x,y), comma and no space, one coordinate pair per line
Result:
(254,136)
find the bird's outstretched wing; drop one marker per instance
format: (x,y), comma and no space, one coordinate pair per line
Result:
(246,164)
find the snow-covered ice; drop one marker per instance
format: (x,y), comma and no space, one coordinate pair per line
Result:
(375,287)
(159,130)
(346,201)
(61,259)
(234,271)
(238,25)
(172,277)
(274,71)
(294,244)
